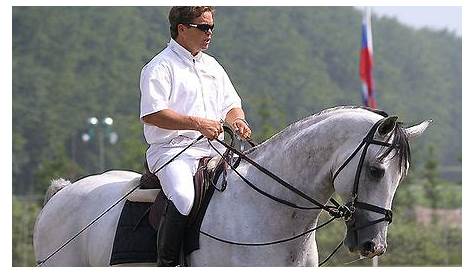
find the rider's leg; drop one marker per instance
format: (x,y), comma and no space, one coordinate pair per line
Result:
(177,183)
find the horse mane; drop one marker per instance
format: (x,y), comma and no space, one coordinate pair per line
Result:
(320,115)
(400,139)
(312,119)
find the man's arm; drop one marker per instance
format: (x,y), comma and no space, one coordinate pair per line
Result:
(169,119)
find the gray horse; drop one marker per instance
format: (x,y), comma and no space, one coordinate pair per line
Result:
(319,155)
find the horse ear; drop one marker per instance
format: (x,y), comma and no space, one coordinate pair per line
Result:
(416,130)
(387,125)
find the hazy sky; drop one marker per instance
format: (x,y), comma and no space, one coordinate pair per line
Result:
(433,17)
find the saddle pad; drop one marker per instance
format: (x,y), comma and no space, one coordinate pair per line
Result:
(135,238)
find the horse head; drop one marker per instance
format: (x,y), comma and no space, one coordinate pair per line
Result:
(369,179)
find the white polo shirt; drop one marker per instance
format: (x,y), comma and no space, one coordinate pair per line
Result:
(190,85)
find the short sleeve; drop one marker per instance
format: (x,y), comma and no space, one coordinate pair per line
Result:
(231,98)
(155,89)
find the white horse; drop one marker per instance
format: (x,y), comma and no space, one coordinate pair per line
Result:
(307,154)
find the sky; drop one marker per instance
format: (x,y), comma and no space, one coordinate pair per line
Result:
(433,17)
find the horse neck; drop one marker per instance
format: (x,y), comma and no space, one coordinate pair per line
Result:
(302,156)
(307,153)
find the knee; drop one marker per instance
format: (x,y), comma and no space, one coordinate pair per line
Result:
(177,182)
(183,201)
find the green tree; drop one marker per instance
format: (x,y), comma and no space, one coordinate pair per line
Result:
(431,183)
(59,165)
(24,212)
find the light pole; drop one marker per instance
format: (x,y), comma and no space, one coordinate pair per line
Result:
(104,130)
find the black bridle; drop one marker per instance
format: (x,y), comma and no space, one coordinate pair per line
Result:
(345,211)
(354,203)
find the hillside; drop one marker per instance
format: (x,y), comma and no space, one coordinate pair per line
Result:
(71,63)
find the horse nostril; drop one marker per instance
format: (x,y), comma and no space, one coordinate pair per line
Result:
(368,246)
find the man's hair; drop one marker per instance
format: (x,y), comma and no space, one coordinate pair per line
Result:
(185,15)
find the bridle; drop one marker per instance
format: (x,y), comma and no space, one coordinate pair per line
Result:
(354,203)
(345,211)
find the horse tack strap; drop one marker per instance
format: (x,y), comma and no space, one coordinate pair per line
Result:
(274,177)
(368,139)
(354,229)
(149,180)
(201,185)
(386,212)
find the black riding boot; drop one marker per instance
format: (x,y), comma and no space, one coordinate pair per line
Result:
(170,236)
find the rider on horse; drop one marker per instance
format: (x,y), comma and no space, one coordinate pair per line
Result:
(184,93)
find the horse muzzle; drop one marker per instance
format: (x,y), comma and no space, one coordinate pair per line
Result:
(367,240)
(368,249)
(372,248)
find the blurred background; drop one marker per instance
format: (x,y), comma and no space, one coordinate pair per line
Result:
(76,103)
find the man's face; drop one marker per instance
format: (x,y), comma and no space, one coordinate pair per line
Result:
(195,39)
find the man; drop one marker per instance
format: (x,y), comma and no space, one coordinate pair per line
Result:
(184,93)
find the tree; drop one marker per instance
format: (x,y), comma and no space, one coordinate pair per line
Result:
(24,212)
(431,176)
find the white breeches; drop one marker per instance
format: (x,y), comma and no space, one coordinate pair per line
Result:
(177,183)
(177,177)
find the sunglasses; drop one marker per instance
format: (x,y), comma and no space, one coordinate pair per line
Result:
(202,27)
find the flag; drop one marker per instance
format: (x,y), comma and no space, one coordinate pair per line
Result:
(366,63)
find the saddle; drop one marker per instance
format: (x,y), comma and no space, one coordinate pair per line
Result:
(135,236)
(204,179)
(206,176)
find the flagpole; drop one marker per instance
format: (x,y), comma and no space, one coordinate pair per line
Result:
(366,62)
(375,261)
(371,102)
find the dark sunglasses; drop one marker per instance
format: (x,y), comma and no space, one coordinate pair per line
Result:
(202,27)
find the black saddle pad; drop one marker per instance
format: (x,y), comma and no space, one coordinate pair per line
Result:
(135,238)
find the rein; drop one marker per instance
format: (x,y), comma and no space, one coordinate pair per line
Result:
(345,211)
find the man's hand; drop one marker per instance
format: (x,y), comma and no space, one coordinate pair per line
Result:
(242,128)
(209,128)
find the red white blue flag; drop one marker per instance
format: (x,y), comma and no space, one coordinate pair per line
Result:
(366,63)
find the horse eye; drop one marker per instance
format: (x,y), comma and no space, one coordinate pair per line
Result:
(376,172)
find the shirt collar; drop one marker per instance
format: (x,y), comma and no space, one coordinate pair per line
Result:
(182,52)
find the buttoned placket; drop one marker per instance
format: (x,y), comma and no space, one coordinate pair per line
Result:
(202,87)
(187,61)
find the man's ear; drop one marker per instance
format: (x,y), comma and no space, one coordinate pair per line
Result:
(416,130)
(180,28)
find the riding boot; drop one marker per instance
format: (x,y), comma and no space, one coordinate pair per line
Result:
(170,236)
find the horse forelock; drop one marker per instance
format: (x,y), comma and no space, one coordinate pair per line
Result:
(401,146)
